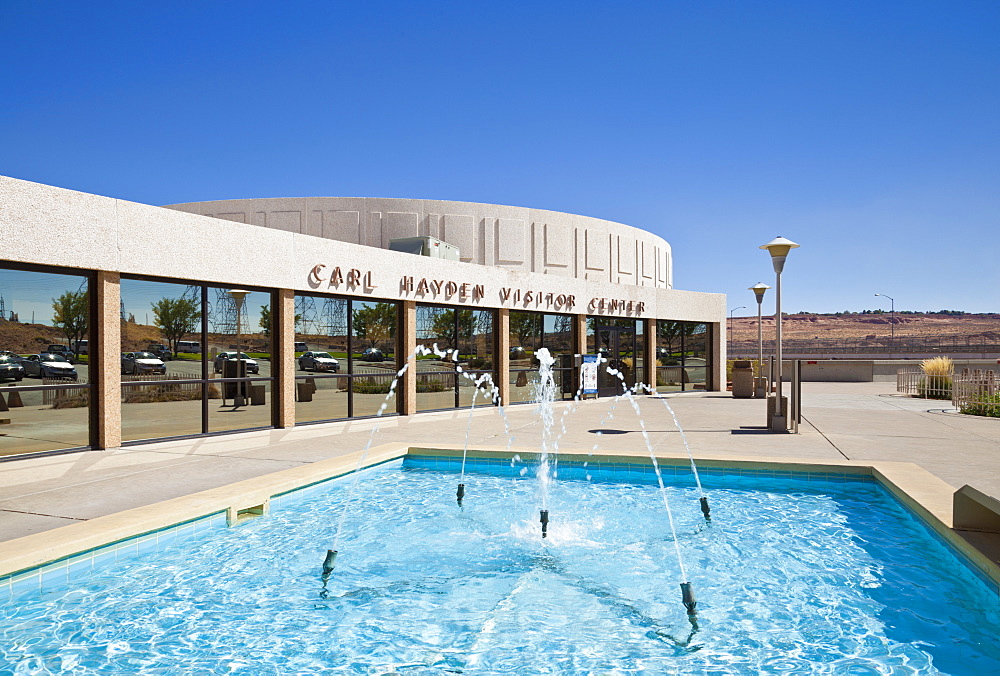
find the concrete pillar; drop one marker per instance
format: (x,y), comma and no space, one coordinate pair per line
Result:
(717,375)
(580,326)
(408,340)
(649,358)
(283,357)
(104,360)
(503,354)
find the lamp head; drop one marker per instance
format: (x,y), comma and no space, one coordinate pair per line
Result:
(238,296)
(779,248)
(758,289)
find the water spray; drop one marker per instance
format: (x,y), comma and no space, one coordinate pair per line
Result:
(544,518)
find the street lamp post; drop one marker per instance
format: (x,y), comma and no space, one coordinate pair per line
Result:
(778,248)
(892,320)
(239,295)
(759,390)
(730,327)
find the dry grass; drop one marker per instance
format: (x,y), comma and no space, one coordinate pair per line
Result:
(938,366)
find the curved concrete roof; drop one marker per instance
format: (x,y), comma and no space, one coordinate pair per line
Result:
(516,238)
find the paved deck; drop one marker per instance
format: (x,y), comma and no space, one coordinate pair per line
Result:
(857,421)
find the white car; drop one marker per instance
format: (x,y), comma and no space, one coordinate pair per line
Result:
(318,361)
(252,365)
(142,362)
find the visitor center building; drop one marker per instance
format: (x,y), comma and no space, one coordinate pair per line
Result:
(123,323)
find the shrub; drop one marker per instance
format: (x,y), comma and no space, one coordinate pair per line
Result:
(371,386)
(985,405)
(432,386)
(936,383)
(77,401)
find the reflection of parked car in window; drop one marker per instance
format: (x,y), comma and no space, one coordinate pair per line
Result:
(161,351)
(82,346)
(63,350)
(142,362)
(372,354)
(252,365)
(301,347)
(48,365)
(10,368)
(318,361)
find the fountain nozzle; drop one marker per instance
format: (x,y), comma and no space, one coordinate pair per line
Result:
(704,508)
(331,557)
(544,518)
(687,596)
(460,493)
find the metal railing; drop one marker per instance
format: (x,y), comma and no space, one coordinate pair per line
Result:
(880,344)
(916,383)
(977,392)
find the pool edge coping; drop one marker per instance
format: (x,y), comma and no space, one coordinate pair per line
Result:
(926,495)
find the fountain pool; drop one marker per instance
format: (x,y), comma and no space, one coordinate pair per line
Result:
(795,574)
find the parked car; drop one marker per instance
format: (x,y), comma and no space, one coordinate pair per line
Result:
(142,362)
(10,368)
(63,350)
(48,365)
(318,361)
(372,354)
(301,347)
(160,350)
(252,365)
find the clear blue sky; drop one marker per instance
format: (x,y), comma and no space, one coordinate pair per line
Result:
(869,132)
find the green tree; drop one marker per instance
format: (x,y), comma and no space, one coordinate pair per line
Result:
(375,323)
(176,317)
(70,312)
(444,327)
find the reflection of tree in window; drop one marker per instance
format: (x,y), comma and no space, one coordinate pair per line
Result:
(375,323)
(527,326)
(176,317)
(70,312)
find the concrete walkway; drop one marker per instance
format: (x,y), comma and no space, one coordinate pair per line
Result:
(857,421)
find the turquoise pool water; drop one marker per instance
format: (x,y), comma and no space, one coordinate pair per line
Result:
(826,575)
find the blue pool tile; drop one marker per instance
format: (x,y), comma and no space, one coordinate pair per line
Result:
(80,566)
(127,550)
(104,556)
(29,582)
(54,576)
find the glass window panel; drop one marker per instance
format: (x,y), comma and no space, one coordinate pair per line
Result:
(435,390)
(370,393)
(254,409)
(45,420)
(373,341)
(153,411)
(696,355)
(468,389)
(525,333)
(44,313)
(558,334)
(476,329)
(320,331)
(522,385)
(320,398)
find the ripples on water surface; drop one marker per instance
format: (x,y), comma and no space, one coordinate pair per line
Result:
(789,580)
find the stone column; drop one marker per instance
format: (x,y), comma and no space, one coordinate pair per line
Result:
(104,362)
(717,375)
(283,357)
(650,356)
(580,324)
(407,389)
(503,354)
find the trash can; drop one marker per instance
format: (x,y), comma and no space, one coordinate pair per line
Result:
(743,379)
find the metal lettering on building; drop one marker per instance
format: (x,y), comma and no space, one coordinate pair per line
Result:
(526,298)
(615,306)
(441,288)
(351,279)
